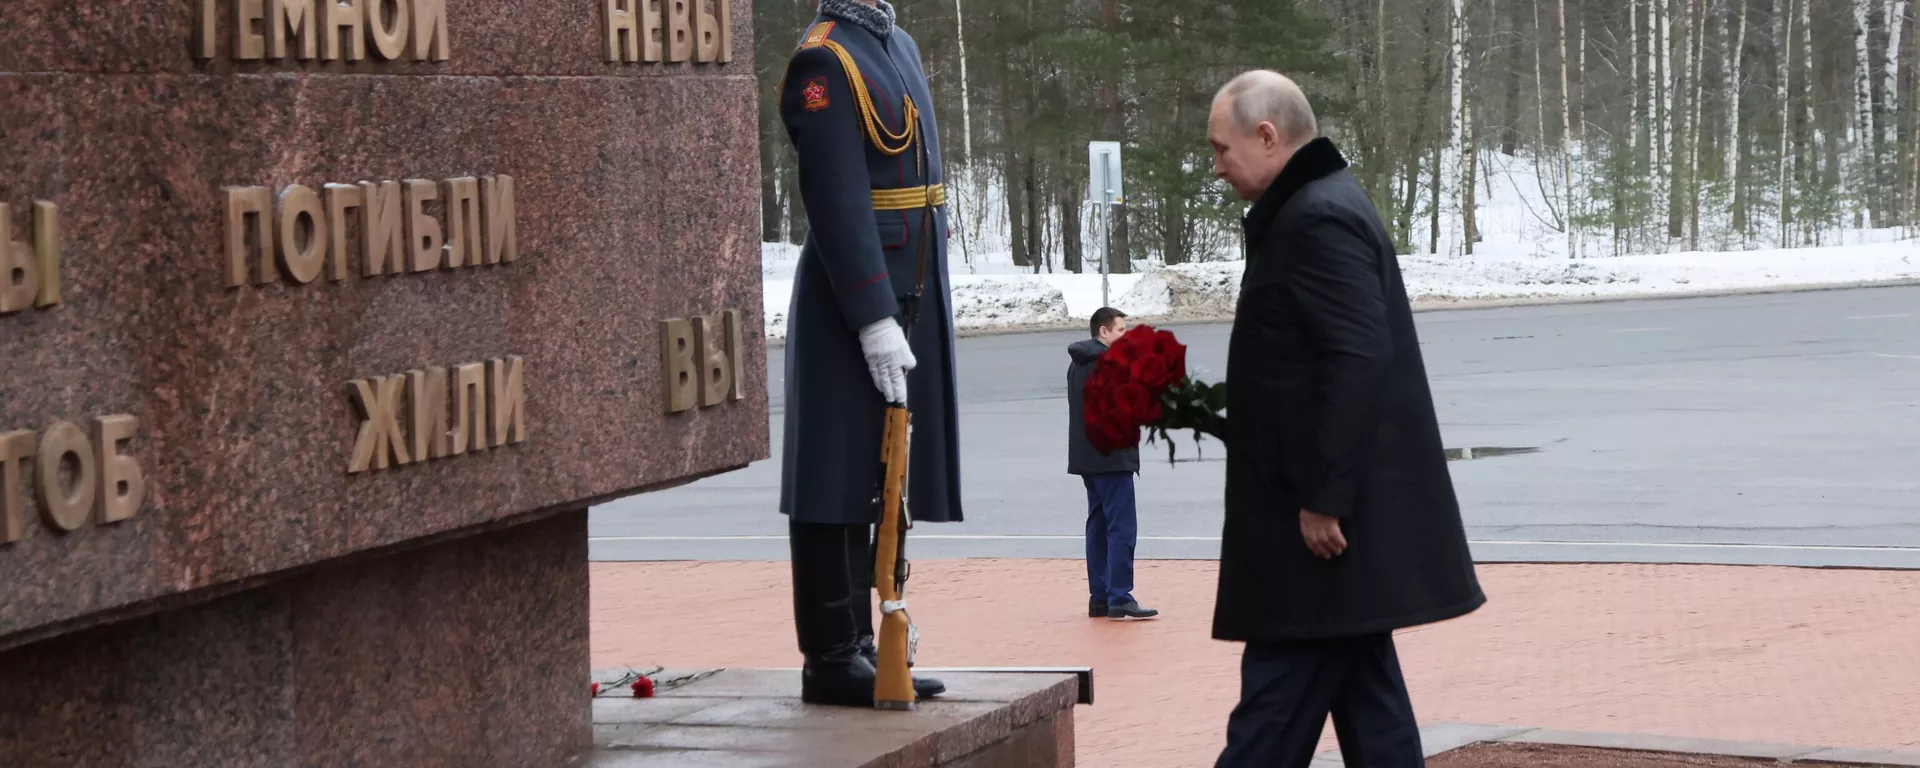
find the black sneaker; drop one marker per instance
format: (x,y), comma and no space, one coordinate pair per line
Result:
(1130,611)
(1097,609)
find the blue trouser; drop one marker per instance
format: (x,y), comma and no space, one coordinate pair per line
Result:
(1288,689)
(1112,527)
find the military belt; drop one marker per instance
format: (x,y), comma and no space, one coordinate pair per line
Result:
(909,198)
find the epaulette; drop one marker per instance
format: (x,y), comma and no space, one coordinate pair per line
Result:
(817,36)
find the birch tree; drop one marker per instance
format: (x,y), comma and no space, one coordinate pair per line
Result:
(1896,22)
(1861,131)
(1458,106)
(1635,89)
(1566,143)
(1735,157)
(1664,61)
(1806,100)
(1783,26)
(967,215)
(1696,71)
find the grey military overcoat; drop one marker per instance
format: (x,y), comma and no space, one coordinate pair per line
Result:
(858,262)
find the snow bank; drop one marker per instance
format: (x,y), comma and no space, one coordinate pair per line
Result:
(1198,291)
(1208,291)
(979,303)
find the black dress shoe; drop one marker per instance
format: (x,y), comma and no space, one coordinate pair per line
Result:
(1130,611)
(923,687)
(1097,609)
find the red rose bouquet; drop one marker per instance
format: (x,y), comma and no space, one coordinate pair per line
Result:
(1141,382)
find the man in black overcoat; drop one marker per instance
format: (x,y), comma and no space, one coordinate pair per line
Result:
(1341,521)
(856,106)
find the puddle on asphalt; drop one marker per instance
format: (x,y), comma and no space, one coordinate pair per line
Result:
(1486,452)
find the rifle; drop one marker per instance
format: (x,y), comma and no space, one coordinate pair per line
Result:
(893,679)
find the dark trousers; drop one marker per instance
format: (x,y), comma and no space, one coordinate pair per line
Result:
(1287,690)
(832,586)
(1113,526)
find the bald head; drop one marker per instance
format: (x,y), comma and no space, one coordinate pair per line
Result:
(1265,96)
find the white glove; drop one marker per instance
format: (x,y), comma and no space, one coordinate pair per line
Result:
(888,359)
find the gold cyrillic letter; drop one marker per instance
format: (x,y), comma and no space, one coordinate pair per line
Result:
(427,405)
(122,486)
(497,208)
(302,265)
(423,231)
(469,408)
(15,447)
(429,30)
(65,509)
(507,399)
(737,353)
(680,29)
(340,199)
(462,204)
(292,17)
(244,202)
(346,18)
(46,243)
(706,32)
(381,224)
(389,37)
(250,43)
(379,402)
(19,268)
(676,359)
(710,347)
(204,44)
(650,43)
(623,31)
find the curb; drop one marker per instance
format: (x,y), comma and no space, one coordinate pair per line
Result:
(1441,738)
(1421,307)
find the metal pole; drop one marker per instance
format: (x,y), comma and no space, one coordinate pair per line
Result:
(1106,248)
(1106,251)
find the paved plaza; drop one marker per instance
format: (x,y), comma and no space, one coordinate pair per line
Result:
(1686,450)
(1740,653)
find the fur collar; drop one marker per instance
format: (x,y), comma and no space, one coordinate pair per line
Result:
(1313,162)
(877,19)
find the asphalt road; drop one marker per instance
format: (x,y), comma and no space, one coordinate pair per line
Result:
(1778,429)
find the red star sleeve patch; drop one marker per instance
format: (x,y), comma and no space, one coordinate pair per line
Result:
(815,94)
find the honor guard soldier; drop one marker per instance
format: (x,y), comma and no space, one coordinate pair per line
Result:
(856,106)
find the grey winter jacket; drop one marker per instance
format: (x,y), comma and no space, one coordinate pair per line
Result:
(1082,457)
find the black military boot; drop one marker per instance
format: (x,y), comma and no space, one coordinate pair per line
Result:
(834,671)
(842,678)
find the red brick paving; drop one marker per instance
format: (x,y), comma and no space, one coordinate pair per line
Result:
(1817,657)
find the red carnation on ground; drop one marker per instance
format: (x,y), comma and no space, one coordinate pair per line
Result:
(1141,382)
(643,688)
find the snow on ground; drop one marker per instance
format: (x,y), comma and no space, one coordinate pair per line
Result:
(1521,255)
(1208,290)
(1202,291)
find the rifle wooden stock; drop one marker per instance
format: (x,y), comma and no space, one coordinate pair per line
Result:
(893,683)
